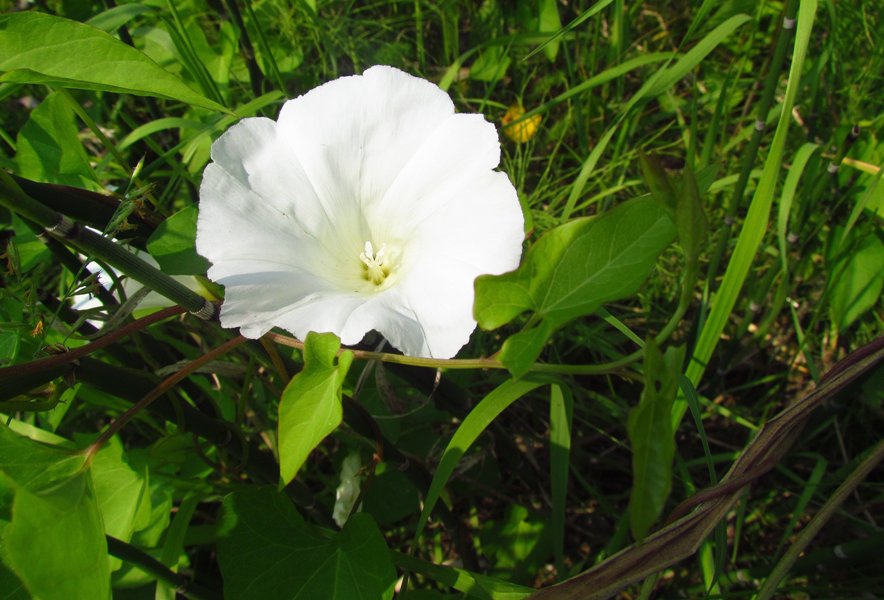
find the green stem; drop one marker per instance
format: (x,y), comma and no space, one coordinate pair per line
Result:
(750,152)
(470,363)
(14,372)
(97,246)
(256,77)
(70,261)
(149,564)
(493,363)
(161,389)
(823,179)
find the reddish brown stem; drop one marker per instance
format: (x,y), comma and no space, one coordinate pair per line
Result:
(36,366)
(161,389)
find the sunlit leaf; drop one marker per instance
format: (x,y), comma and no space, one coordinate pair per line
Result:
(121,492)
(49,148)
(571,271)
(173,245)
(474,585)
(55,541)
(549,21)
(310,407)
(40,48)
(517,545)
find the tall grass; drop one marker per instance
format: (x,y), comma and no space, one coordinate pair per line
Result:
(771,111)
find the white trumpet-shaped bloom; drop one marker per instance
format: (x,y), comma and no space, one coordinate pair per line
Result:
(368,205)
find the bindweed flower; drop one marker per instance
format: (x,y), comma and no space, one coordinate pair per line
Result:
(368,205)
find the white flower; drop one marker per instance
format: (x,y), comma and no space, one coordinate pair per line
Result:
(368,205)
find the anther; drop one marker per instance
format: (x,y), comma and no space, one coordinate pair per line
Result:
(374,263)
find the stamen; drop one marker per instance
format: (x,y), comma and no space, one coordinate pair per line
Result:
(375,271)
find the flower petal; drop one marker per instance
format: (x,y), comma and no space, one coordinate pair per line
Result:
(258,158)
(481,225)
(353,135)
(440,294)
(255,300)
(369,205)
(237,223)
(464,147)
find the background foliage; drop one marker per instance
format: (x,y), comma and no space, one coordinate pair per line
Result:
(703,197)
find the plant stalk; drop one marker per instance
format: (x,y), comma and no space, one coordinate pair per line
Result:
(92,244)
(751,151)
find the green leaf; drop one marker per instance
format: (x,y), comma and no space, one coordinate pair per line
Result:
(517,546)
(114,18)
(756,222)
(173,245)
(690,220)
(857,281)
(120,492)
(549,21)
(652,438)
(520,350)
(392,496)
(41,48)
(267,551)
(571,271)
(683,196)
(657,180)
(491,65)
(55,542)
(473,425)
(48,147)
(473,585)
(310,407)
(34,466)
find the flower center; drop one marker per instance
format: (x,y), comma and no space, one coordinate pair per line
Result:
(375,267)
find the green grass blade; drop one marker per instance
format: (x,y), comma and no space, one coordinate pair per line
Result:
(811,529)
(599,79)
(579,20)
(561,415)
(473,425)
(657,84)
(755,225)
(785,208)
(693,56)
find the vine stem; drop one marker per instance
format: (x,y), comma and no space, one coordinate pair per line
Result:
(37,366)
(97,246)
(149,564)
(158,391)
(469,363)
(750,153)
